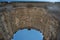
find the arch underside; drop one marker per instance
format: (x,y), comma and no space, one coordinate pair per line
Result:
(34,17)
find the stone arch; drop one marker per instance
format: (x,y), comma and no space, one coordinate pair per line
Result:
(35,17)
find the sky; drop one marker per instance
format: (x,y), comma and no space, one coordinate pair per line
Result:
(32,0)
(28,35)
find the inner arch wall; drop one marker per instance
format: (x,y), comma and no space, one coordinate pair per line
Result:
(17,18)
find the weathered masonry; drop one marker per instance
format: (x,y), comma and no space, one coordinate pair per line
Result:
(42,16)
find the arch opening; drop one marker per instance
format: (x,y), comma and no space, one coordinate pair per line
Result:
(26,34)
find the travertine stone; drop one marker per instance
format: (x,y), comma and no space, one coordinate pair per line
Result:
(28,17)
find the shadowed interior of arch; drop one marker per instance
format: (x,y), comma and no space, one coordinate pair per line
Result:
(26,34)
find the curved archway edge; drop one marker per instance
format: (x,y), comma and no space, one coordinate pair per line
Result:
(28,17)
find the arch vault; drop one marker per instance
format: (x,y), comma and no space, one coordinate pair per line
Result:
(17,16)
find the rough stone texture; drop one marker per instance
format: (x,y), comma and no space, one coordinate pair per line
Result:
(15,16)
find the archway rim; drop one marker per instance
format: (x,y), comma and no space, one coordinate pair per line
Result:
(28,29)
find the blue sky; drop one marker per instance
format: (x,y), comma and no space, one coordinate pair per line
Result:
(28,35)
(32,0)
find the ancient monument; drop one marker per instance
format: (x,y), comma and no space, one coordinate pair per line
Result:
(16,15)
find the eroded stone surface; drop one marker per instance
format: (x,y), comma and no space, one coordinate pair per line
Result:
(28,17)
